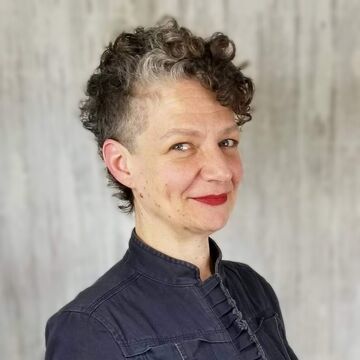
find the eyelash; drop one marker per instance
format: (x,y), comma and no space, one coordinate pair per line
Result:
(234,146)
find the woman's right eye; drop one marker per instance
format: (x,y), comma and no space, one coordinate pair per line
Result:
(178,147)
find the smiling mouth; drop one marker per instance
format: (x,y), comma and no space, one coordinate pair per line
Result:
(212,199)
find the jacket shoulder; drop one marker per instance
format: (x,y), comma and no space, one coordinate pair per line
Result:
(254,284)
(110,283)
(77,335)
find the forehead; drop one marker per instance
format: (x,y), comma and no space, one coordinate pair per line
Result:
(186,102)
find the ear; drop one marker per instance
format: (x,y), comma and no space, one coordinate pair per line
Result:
(118,159)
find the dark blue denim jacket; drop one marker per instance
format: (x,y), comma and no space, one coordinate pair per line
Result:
(153,306)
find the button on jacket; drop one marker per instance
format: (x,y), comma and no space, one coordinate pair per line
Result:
(155,307)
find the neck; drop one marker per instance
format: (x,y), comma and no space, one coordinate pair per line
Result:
(186,246)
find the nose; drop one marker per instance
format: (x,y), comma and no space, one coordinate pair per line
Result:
(216,166)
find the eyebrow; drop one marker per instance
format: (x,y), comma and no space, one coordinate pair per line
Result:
(191,132)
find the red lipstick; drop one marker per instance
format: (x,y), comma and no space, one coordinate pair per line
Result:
(212,199)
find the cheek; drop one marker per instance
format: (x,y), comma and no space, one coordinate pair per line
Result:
(175,179)
(237,170)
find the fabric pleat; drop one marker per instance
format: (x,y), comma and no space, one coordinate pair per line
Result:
(225,307)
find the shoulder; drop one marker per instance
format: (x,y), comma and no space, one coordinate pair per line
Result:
(110,283)
(253,283)
(245,272)
(77,335)
(83,323)
(89,305)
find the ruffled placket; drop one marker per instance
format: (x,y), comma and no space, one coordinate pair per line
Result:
(218,297)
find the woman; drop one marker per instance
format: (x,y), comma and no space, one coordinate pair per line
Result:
(166,108)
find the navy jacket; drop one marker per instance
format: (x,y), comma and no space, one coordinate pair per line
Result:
(153,306)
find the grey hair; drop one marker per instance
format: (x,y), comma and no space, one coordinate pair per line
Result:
(122,86)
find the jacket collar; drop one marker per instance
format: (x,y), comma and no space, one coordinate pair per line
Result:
(167,269)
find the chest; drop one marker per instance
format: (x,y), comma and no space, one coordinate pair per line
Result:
(190,322)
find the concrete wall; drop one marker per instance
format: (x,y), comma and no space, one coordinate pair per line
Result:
(297,221)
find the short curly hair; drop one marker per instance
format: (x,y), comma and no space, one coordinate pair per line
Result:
(137,60)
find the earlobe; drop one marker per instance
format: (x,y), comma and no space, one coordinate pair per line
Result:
(116,158)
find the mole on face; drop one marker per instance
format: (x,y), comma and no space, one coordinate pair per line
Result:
(141,195)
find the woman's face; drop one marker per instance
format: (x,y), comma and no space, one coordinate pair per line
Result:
(199,158)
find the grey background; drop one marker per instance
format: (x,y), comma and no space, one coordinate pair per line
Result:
(297,220)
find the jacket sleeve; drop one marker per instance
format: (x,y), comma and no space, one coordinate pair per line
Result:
(274,299)
(74,335)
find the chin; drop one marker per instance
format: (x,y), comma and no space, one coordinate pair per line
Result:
(215,223)
(208,218)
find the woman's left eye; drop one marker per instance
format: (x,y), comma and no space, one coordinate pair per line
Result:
(227,143)
(233,143)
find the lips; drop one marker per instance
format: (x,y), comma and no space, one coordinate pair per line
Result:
(212,199)
(212,196)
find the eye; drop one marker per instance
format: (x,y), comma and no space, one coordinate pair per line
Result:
(227,143)
(233,143)
(179,146)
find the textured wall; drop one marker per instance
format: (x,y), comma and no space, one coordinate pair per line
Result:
(297,221)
